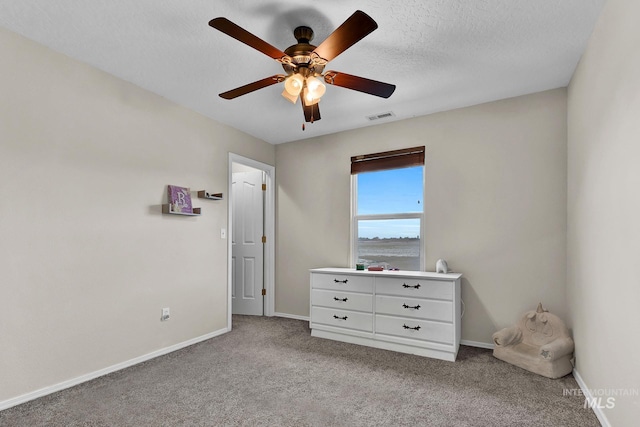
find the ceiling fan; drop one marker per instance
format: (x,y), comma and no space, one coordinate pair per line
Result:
(304,63)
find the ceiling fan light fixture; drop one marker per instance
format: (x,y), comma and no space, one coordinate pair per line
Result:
(289,97)
(304,63)
(308,98)
(316,87)
(293,85)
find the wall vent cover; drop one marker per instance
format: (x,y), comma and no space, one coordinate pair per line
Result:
(381,116)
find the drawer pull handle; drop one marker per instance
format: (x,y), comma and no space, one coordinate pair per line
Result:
(344,318)
(341,281)
(417,307)
(404,285)
(415,328)
(340,299)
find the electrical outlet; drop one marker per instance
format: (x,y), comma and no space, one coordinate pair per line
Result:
(223,233)
(166,313)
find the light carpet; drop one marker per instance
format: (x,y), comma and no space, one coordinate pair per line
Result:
(271,372)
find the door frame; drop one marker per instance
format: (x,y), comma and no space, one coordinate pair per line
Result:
(269,232)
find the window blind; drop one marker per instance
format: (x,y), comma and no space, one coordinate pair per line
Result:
(388,160)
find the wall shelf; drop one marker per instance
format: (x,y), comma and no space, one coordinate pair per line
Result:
(204,194)
(166,209)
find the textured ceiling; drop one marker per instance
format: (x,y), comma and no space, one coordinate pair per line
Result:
(441,54)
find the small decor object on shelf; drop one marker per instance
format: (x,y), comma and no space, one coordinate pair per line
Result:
(179,199)
(441,266)
(375,268)
(204,194)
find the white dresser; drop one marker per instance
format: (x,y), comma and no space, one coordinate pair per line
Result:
(408,311)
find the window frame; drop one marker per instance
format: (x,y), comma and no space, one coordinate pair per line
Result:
(413,215)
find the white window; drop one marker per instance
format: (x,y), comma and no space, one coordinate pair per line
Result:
(388,209)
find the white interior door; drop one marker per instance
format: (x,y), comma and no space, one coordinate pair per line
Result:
(247,260)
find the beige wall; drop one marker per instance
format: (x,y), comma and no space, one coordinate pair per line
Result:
(495,205)
(87,259)
(604,208)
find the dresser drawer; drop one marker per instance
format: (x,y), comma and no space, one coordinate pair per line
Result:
(415,308)
(342,282)
(417,288)
(342,300)
(342,318)
(423,330)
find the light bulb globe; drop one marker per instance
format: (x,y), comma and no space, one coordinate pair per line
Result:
(293,84)
(316,87)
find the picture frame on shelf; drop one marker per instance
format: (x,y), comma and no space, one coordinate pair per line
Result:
(179,199)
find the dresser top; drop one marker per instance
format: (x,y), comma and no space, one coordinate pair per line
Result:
(419,274)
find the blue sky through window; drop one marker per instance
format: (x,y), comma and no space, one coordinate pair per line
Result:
(390,192)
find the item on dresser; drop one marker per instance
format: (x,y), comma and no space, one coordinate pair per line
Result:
(375,268)
(411,311)
(441,266)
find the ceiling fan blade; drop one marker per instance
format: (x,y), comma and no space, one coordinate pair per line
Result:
(311,112)
(354,29)
(243,90)
(372,87)
(240,34)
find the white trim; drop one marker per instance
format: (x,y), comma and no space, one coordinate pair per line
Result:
(101,372)
(477,344)
(373,217)
(269,231)
(352,224)
(587,394)
(292,316)
(423,218)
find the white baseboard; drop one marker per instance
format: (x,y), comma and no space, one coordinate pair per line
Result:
(292,316)
(477,344)
(92,375)
(587,394)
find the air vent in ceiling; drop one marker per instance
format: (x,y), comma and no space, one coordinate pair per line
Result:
(381,116)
